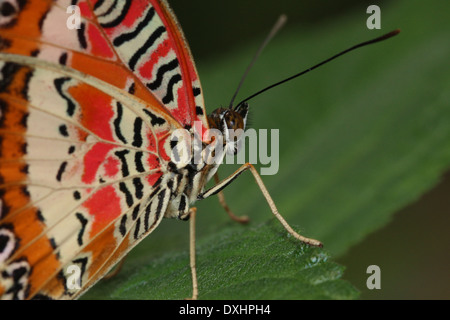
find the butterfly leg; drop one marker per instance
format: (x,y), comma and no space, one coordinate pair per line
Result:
(248,166)
(192,213)
(223,203)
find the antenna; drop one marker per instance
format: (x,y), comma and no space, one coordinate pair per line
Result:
(278,25)
(362,44)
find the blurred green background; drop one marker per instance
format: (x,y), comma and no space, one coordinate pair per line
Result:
(413,249)
(364,140)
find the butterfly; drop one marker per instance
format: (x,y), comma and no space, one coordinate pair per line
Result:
(86,119)
(91,95)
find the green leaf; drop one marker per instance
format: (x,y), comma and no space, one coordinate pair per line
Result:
(257,263)
(360,138)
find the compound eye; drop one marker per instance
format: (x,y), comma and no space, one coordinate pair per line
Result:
(234,120)
(230,120)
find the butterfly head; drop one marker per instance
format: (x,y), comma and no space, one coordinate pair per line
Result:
(231,122)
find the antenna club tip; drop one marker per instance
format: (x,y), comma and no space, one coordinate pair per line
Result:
(282,19)
(392,33)
(386,36)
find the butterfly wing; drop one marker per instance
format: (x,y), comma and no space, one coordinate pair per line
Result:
(85,116)
(136,45)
